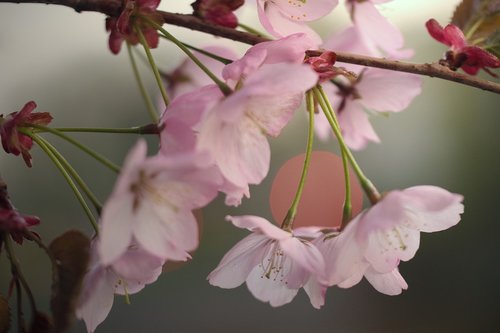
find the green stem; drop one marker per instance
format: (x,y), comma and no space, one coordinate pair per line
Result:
(17,273)
(251,30)
(66,176)
(223,60)
(366,184)
(82,147)
(141,130)
(150,107)
(75,175)
(222,86)
(347,209)
(152,63)
(292,212)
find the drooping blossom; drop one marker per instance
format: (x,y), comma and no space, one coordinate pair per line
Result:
(152,203)
(218,12)
(15,142)
(273,262)
(375,90)
(373,244)
(471,58)
(123,28)
(380,36)
(282,18)
(127,275)
(269,84)
(368,89)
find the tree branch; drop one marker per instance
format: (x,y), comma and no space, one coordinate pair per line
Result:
(113,8)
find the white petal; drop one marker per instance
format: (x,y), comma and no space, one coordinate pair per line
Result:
(272,290)
(383,90)
(239,261)
(97,296)
(259,224)
(306,255)
(316,292)
(117,221)
(391,283)
(431,208)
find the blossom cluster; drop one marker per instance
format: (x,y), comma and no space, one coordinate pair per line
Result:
(213,138)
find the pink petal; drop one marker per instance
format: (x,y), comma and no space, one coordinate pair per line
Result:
(356,128)
(343,257)
(234,194)
(281,78)
(259,224)
(383,90)
(239,261)
(432,208)
(375,29)
(455,36)
(239,147)
(176,138)
(278,25)
(388,246)
(128,173)
(98,299)
(391,283)
(305,10)
(139,265)
(316,292)
(117,221)
(305,255)
(437,32)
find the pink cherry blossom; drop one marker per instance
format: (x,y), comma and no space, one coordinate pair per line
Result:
(234,132)
(378,34)
(128,275)
(373,244)
(152,202)
(375,89)
(218,12)
(274,263)
(282,18)
(470,58)
(15,142)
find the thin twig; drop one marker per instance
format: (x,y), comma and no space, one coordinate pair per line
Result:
(113,8)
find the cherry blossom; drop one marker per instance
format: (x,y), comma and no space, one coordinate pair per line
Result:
(122,28)
(375,89)
(265,99)
(373,244)
(273,262)
(376,32)
(128,275)
(152,202)
(219,12)
(282,18)
(15,142)
(463,55)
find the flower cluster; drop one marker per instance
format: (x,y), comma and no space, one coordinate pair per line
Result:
(275,263)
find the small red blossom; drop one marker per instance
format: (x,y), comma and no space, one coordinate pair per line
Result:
(13,141)
(323,65)
(122,28)
(11,220)
(470,58)
(218,12)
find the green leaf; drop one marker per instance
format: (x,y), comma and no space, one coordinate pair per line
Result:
(71,252)
(492,44)
(5,317)
(478,19)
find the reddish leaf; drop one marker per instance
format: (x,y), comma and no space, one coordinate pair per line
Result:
(71,253)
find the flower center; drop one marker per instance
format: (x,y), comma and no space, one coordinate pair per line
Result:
(272,264)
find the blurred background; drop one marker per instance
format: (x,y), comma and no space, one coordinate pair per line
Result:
(448,137)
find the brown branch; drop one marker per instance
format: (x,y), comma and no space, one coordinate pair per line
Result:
(113,8)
